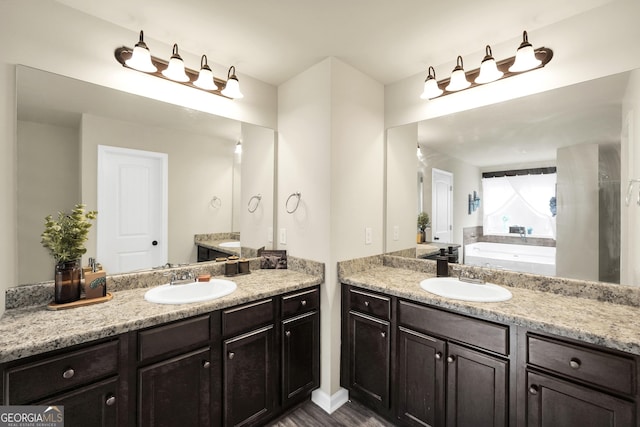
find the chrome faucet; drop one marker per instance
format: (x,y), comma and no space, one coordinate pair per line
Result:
(180,278)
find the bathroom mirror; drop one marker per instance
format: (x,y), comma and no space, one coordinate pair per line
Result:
(568,128)
(63,121)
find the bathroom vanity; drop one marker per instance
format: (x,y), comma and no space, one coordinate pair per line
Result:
(238,360)
(538,359)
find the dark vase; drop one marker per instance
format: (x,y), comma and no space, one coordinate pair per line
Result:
(67,282)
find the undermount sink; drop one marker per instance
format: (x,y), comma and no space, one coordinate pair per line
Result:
(190,292)
(451,287)
(229,245)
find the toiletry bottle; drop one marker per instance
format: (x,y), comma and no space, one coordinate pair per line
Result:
(442,268)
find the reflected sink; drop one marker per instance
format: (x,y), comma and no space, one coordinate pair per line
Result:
(451,287)
(229,245)
(190,292)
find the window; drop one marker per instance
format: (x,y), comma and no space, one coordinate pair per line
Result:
(524,200)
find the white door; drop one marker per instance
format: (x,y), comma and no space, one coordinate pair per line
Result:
(132,209)
(442,206)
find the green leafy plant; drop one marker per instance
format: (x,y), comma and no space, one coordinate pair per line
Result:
(66,235)
(423,220)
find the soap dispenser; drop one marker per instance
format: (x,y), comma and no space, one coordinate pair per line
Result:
(442,268)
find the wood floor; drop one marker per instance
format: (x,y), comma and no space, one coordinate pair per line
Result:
(351,414)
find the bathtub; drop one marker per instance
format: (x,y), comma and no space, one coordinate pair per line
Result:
(524,258)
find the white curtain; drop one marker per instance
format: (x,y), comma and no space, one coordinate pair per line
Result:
(519,201)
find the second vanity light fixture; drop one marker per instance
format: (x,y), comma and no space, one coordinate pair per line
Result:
(526,59)
(139,58)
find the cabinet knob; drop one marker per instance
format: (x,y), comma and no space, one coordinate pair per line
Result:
(111,400)
(533,389)
(69,373)
(575,363)
(231,355)
(206,364)
(287,334)
(439,355)
(383,334)
(303,302)
(451,359)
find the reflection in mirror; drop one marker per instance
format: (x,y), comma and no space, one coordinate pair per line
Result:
(63,124)
(579,130)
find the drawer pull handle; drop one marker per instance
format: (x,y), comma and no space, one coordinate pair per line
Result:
(206,364)
(303,302)
(383,334)
(439,355)
(111,400)
(533,389)
(231,355)
(575,363)
(287,334)
(69,373)
(366,303)
(451,359)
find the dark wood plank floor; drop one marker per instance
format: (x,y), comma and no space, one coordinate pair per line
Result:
(351,414)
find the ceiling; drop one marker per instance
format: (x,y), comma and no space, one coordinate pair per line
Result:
(531,128)
(274,40)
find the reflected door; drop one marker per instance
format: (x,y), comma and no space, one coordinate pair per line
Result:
(132,209)
(442,206)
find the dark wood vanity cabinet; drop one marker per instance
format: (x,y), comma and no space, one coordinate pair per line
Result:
(366,351)
(87,379)
(573,384)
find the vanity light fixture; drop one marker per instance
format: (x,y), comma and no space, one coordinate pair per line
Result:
(140,59)
(526,59)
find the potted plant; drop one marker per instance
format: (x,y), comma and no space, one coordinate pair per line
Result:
(423,223)
(65,238)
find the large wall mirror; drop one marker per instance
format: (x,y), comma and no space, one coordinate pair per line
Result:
(210,189)
(579,132)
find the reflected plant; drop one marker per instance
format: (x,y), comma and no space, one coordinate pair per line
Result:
(66,235)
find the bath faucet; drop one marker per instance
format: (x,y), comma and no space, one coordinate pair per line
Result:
(180,278)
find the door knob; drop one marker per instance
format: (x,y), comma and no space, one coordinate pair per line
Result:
(154,243)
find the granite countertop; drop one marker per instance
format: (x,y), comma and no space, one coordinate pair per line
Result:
(33,330)
(432,248)
(616,326)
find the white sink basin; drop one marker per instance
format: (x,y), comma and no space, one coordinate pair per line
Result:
(229,245)
(451,287)
(190,292)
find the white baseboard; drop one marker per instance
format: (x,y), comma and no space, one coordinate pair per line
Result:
(330,403)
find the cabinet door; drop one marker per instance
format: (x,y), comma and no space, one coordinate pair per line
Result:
(300,356)
(369,358)
(477,389)
(555,403)
(91,406)
(420,379)
(176,392)
(249,377)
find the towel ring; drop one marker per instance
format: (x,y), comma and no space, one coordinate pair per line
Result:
(257,198)
(215,202)
(286,205)
(627,199)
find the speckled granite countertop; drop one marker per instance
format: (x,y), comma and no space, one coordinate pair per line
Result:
(604,323)
(33,330)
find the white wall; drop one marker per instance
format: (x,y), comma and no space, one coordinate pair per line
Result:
(48,183)
(199,168)
(330,149)
(258,177)
(8,177)
(630,169)
(597,43)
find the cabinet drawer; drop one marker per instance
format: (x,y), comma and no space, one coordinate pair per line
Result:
(299,303)
(246,317)
(604,369)
(479,333)
(368,303)
(32,381)
(174,337)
